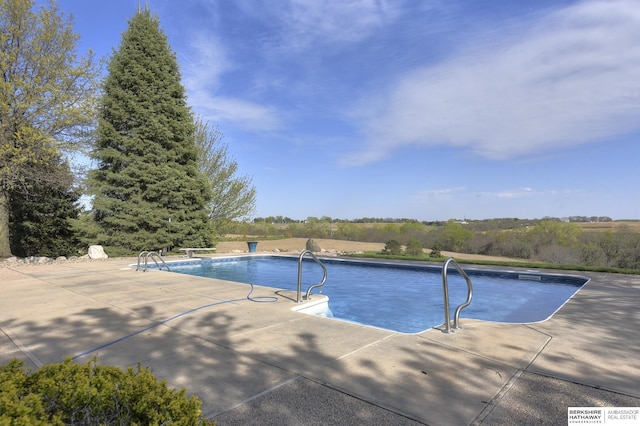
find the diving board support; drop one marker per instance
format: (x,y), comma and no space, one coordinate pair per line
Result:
(189,251)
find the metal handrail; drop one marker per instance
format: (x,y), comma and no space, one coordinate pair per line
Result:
(445,289)
(320,284)
(154,255)
(142,253)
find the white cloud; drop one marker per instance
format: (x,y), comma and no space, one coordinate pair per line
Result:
(523,202)
(290,28)
(206,61)
(510,193)
(526,192)
(204,68)
(309,22)
(442,193)
(461,192)
(568,79)
(249,115)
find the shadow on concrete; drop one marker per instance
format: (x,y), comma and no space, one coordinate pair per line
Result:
(595,336)
(260,363)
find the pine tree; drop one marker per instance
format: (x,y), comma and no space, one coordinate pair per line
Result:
(148,192)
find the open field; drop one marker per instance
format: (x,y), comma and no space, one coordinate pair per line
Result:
(631,225)
(298,244)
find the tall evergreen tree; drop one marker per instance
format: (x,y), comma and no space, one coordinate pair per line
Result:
(148,192)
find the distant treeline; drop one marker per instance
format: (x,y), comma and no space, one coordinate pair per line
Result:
(371,220)
(549,240)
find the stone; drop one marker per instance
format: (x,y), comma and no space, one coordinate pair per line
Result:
(313,246)
(97,252)
(61,259)
(12,259)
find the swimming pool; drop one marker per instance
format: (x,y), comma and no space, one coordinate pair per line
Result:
(405,298)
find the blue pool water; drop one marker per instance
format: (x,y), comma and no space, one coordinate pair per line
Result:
(403,298)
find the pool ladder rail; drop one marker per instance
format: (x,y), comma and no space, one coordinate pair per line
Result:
(319,285)
(155,256)
(445,290)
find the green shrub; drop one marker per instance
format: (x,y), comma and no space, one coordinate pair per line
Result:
(414,248)
(77,394)
(392,247)
(435,252)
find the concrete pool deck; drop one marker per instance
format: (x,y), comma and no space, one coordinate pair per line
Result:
(261,363)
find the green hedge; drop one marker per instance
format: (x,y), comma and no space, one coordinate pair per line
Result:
(88,394)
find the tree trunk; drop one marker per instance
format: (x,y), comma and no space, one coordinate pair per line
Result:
(5,247)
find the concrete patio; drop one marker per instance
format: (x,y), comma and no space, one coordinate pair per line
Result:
(262,363)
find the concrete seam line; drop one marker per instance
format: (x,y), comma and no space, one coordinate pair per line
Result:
(14,339)
(496,399)
(258,395)
(505,389)
(365,346)
(549,338)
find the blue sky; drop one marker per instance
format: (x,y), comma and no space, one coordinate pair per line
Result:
(420,109)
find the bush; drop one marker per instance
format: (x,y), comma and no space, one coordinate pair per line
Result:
(74,394)
(392,247)
(414,248)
